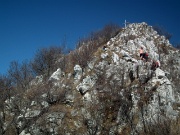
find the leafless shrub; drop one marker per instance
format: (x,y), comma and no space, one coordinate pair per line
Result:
(111,102)
(110,31)
(5,93)
(82,55)
(131,37)
(6,87)
(177,46)
(174,73)
(87,46)
(20,74)
(35,92)
(161,31)
(62,62)
(162,48)
(102,36)
(56,96)
(162,127)
(45,59)
(7,106)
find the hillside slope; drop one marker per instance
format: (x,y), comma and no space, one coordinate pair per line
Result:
(117,93)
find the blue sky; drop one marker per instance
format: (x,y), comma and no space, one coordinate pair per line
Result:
(27,25)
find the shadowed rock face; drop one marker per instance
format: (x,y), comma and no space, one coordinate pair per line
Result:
(115,92)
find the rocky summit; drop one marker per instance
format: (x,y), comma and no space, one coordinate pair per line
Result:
(116,93)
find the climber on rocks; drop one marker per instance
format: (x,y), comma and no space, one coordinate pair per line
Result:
(141,52)
(155,65)
(143,55)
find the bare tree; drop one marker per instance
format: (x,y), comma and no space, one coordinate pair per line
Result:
(5,84)
(45,59)
(20,74)
(8,107)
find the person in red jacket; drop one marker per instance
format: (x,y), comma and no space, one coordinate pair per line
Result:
(155,64)
(145,56)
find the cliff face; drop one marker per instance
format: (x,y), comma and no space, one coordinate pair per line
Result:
(117,93)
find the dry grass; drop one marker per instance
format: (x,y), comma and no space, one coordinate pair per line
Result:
(126,130)
(11,131)
(59,108)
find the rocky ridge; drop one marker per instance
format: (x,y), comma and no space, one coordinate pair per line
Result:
(117,93)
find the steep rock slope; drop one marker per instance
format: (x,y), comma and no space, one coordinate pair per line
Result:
(117,93)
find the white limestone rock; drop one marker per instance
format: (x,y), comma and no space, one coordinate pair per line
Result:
(56,75)
(32,113)
(24,133)
(37,80)
(77,72)
(86,84)
(159,73)
(115,58)
(104,55)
